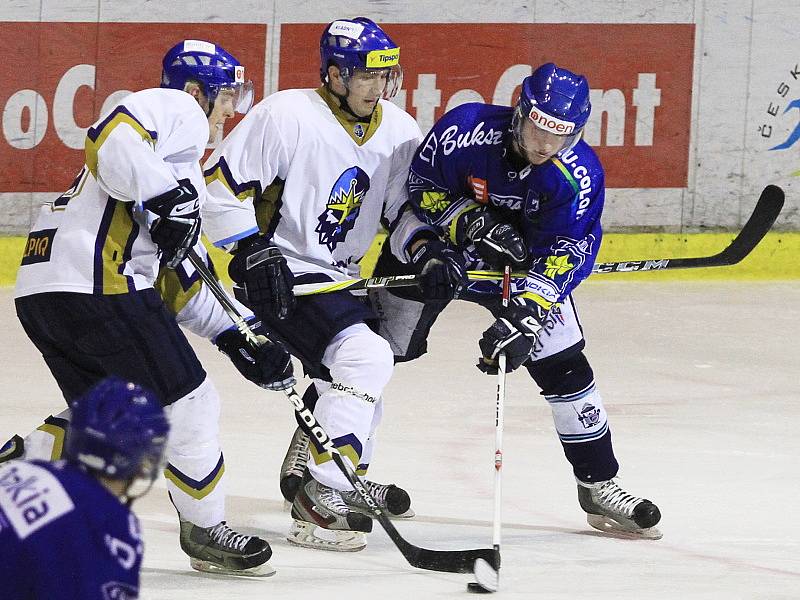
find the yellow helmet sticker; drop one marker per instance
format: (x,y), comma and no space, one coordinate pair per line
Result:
(377,59)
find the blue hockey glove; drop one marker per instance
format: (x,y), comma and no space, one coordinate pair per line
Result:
(268,366)
(497,243)
(177,227)
(443,270)
(514,332)
(262,277)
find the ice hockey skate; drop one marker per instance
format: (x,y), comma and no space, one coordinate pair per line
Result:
(323,520)
(221,550)
(392,499)
(293,467)
(611,509)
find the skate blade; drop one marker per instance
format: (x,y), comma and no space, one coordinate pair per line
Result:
(409,514)
(309,535)
(204,566)
(609,525)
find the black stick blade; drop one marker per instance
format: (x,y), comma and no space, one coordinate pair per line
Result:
(765,213)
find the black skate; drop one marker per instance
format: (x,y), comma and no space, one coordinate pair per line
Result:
(392,500)
(220,549)
(611,509)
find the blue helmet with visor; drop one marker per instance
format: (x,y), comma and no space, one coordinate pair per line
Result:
(210,66)
(118,430)
(555,100)
(360,44)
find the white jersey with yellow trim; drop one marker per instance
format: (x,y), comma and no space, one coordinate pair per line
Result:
(187,296)
(340,181)
(94,238)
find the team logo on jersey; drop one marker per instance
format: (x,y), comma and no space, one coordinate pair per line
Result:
(344,204)
(358,130)
(434,202)
(556,266)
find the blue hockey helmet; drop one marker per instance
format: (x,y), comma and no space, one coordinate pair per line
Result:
(210,66)
(117,430)
(555,100)
(360,44)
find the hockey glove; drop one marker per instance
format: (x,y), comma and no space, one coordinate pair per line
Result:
(443,270)
(514,332)
(497,243)
(262,277)
(269,366)
(177,227)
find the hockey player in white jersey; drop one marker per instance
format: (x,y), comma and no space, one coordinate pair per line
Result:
(85,296)
(67,528)
(324,169)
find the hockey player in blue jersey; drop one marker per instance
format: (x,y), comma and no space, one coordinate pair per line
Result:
(517,185)
(66,529)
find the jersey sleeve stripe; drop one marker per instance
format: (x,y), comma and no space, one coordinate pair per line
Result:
(96,136)
(221,172)
(112,249)
(567,175)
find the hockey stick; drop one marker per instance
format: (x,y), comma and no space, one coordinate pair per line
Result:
(767,209)
(488,578)
(452,561)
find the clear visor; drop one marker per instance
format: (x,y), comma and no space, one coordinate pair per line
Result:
(537,140)
(241,96)
(391,78)
(149,469)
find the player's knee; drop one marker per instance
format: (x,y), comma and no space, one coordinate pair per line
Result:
(361,358)
(194,418)
(561,376)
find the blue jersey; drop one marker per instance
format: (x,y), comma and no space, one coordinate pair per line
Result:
(467,158)
(63,535)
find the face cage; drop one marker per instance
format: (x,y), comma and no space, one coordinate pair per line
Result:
(150,466)
(516,126)
(393,83)
(242,97)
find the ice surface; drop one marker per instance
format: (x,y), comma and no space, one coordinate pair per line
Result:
(700,381)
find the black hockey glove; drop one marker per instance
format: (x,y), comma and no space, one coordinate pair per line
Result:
(268,366)
(443,270)
(263,279)
(514,332)
(177,227)
(498,243)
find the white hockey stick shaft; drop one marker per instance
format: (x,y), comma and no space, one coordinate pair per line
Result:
(498,428)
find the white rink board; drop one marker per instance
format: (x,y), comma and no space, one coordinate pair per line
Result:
(701,393)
